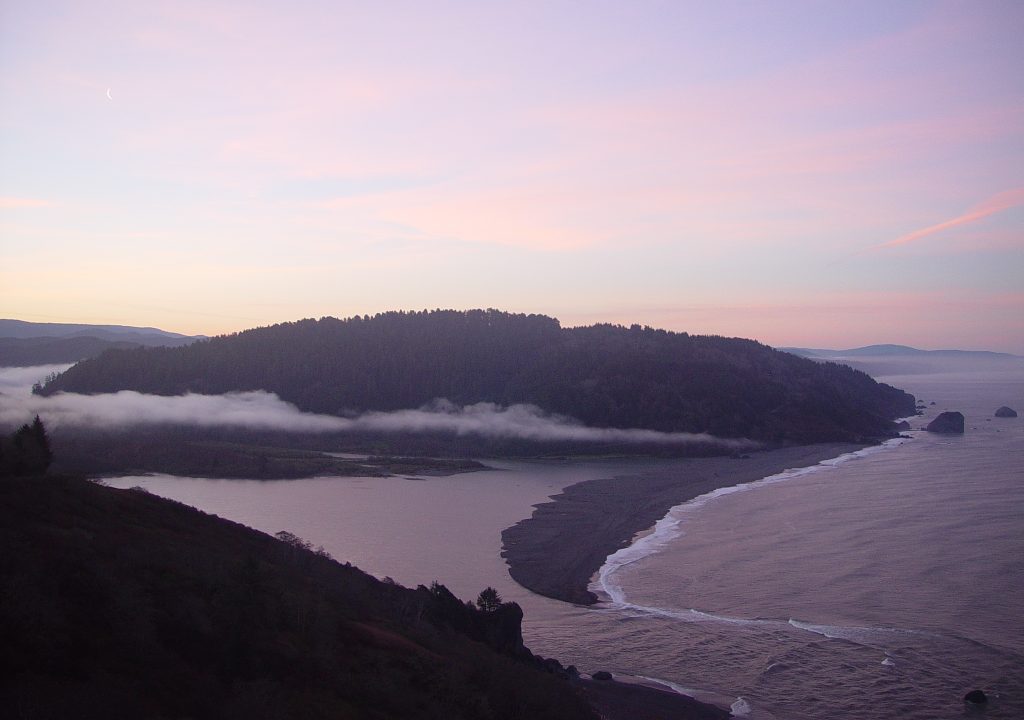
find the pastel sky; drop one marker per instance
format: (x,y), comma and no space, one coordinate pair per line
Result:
(824,174)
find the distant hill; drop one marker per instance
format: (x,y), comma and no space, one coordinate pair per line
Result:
(141,335)
(896,351)
(894,360)
(26,343)
(603,375)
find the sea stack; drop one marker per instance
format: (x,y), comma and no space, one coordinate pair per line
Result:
(1006,412)
(947,422)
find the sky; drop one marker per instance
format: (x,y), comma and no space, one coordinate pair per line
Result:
(817,174)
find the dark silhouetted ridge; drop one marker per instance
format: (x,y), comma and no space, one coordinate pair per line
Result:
(118,604)
(602,375)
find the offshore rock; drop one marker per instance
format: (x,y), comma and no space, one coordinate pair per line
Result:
(1006,412)
(976,697)
(947,422)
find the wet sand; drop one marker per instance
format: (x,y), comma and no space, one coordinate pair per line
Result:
(615,700)
(557,550)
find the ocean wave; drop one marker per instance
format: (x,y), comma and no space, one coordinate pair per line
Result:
(670,527)
(706,696)
(674,687)
(879,638)
(866,636)
(632,610)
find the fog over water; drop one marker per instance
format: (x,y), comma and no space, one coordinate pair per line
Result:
(266,411)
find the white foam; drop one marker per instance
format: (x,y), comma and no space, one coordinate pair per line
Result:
(874,637)
(740,708)
(674,687)
(889,662)
(704,696)
(869,636)
(691,615)
(670,527)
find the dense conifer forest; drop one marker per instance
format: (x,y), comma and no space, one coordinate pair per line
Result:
(602,375)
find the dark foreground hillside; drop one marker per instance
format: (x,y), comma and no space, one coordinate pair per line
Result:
(119,604)
(603,376)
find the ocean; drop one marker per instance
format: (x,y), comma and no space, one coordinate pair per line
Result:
(884,584)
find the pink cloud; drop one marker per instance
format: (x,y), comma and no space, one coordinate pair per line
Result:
(997,203)
(543,218)
(926,319)
(9,203)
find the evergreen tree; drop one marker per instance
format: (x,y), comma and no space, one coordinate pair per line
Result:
(27,451)
(42,444)
(488,600)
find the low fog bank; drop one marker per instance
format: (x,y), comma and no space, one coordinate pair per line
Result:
(19,380)
(260,410)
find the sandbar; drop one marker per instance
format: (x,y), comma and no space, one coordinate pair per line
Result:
(557,550)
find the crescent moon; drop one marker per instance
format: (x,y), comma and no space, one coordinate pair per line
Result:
(109,96)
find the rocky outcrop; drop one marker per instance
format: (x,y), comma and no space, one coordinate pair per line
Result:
(949,422)
(976,697)
(503,630)
(1006,412)
(499,629)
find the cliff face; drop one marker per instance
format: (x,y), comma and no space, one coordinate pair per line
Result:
(120,604)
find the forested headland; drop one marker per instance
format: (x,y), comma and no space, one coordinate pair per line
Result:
(601,375)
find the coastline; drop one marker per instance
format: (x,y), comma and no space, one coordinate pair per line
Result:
(619,699)
(558,549)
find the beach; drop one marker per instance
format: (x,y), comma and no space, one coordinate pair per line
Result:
(616,700)
(790,599)
(557,550)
